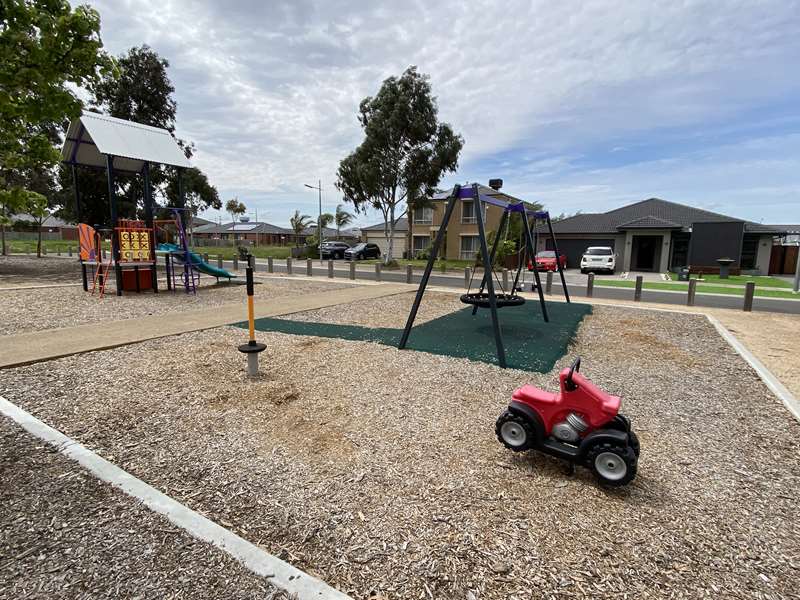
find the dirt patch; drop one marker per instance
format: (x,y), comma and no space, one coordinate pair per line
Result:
(384,477)
(65,534)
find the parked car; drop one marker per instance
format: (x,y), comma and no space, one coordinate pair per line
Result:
(362,251)
(598,258)
(334,249)
(546,261)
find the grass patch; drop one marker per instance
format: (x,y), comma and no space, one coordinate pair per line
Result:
(742,280)
(702,288)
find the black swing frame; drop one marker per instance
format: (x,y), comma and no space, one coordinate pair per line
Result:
(461,193)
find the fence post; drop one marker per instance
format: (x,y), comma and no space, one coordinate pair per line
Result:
(466,277)
(59,250)
(235,262)
(378,267)
(637,293)
(330,269)
(692,290)
(443,265)
(749,291)
(219,260)
(409,273)
(251,261)
(309,267)
(548,286)
(44,250)
(352,269)
(205,256)
(69,250)
(505,278)
(270,264)
(589,285)
(289,265)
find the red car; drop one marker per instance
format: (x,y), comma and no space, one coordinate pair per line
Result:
(546,261)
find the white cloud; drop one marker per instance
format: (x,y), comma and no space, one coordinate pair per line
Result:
(269,91)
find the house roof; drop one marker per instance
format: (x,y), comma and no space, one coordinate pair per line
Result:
(248,227)
(401,225)
(92,136)
(484,190)
(653,213)
(50,221)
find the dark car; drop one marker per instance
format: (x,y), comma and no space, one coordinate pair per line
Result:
(362,251)
(334,249)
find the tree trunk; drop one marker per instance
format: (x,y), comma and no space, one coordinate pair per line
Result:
(390,240)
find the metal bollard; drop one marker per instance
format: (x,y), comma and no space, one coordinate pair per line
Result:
(443,266)
(637,293)
(749,292)
(352,270)
(219,260)
(466,277)
(548,286)
(330,269)
(409,273)
(309,267)
(205,257)
(270,264)
(589,285)
(44,250)
(378,267)
(251,262)
(692,290)
(59,251)
(289,266)
(69,251)
(505,278)
(235,262)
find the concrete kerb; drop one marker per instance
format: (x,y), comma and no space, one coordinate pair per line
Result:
(279,573)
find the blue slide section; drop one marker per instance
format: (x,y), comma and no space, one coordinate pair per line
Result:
(197,261)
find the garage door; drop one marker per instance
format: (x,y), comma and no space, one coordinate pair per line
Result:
(574,249)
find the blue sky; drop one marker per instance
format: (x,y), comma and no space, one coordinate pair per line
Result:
(581,106)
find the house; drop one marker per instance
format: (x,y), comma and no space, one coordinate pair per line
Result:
(785,250)
(375,234)
(53,228)
(247,232)
(461,241)
(656,235)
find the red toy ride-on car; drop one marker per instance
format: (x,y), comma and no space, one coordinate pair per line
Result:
(580,423)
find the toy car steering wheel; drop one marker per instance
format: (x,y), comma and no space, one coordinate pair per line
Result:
(576,366)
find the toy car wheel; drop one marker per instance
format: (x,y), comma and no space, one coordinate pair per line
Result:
(612,464)
(634,441)
(515,432)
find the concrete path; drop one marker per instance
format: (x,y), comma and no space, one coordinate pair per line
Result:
(38,346)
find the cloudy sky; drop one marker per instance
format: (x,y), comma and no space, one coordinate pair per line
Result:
(582,106)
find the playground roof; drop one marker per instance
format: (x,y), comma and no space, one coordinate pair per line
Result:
(91,137)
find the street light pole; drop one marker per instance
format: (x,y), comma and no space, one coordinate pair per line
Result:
(319,217)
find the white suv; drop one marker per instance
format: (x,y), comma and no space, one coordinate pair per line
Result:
(598,258)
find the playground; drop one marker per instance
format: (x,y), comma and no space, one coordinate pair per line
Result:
(356,441)
(376,469)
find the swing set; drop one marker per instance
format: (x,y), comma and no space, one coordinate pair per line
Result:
(487,295)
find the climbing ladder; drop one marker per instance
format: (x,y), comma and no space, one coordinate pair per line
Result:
(101,274)
(190,276)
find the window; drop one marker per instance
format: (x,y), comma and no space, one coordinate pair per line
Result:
(423,216)
(469,247)
(468,213)
(420,243)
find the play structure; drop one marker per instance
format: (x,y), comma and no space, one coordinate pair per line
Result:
(580,424)
(117,146)
(487,295)
(252,348)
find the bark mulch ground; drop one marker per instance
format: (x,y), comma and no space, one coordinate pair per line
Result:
(65,534)
(378,469)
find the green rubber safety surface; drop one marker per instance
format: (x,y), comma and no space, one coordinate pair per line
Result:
(530,343)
